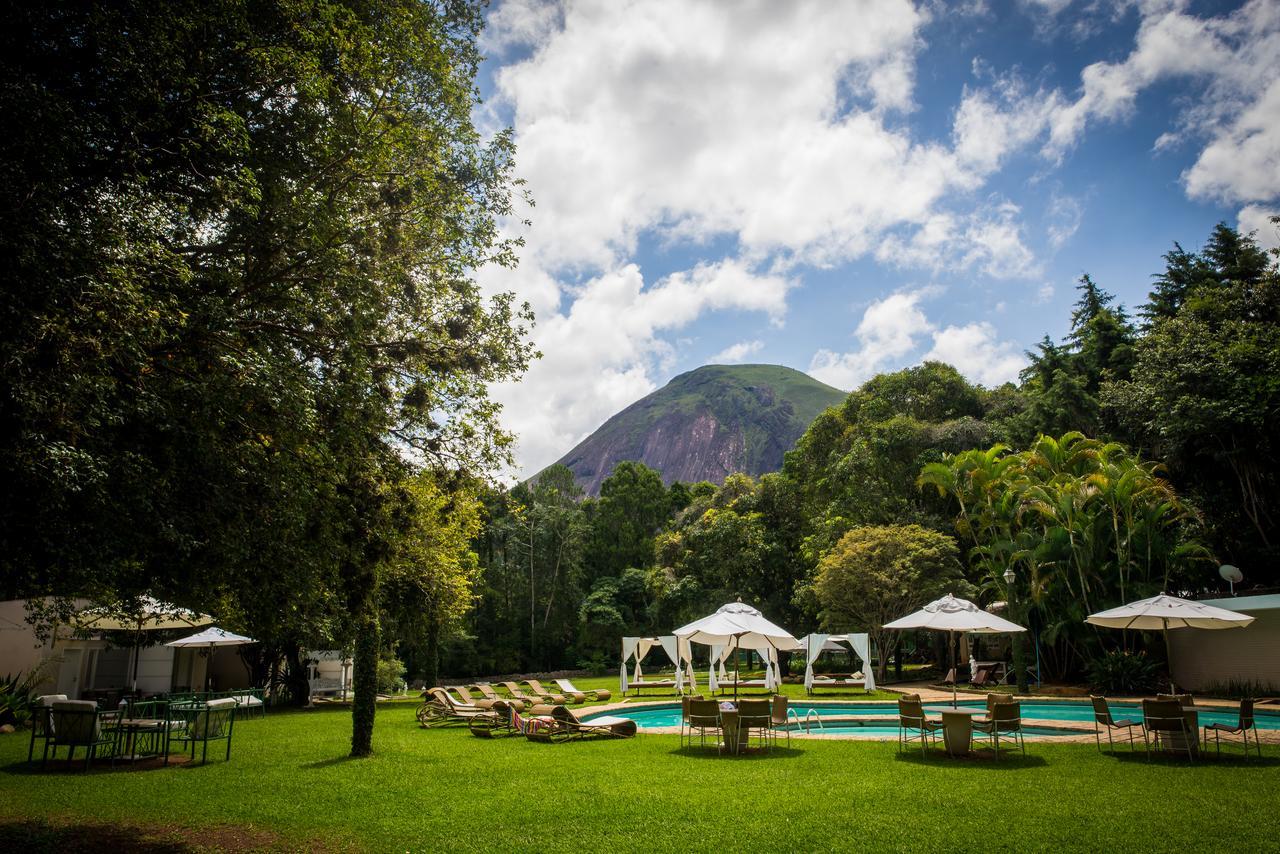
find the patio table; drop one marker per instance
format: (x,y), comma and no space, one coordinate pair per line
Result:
(131,728)
(957,729)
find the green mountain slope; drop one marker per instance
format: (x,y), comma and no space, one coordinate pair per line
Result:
(707,424)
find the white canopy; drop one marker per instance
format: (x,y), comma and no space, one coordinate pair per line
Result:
(740,626)
(212,636)
(1169,612)
(953,615)
(143,614)
(677,650)
(816,644)
(950,614)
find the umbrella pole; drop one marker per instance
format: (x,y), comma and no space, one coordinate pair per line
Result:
(137,641)
(735,668)
(1168,655)
(954,671)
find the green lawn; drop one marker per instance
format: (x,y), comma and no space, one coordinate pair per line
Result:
(289,785)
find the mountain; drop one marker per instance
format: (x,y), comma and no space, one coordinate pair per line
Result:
(707,424)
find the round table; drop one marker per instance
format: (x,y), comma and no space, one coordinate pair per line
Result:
(957,727)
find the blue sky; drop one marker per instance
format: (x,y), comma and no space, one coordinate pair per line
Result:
(853,187)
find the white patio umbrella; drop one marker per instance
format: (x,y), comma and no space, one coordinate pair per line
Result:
(142,615)
(1166,612)
(741,625)
(211,637)
(952,615)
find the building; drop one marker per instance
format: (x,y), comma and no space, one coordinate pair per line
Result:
(1204,659)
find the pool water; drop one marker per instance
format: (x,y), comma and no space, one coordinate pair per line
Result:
(668,715)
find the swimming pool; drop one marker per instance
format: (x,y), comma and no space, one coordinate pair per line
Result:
(668,714)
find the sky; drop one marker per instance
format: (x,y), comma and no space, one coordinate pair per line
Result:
(848,187)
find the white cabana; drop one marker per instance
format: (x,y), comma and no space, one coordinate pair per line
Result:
(816,644)
(1164,612)
(739,626)
(952,615)
(677,651)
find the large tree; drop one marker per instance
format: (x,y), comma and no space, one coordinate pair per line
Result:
(238,245)
(878,573)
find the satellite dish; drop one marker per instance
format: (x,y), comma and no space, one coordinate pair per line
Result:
(1232,575)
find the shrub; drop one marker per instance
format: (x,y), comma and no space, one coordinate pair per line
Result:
(1120,672)
(390,675)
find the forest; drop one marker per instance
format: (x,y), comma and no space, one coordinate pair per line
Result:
(1133,457)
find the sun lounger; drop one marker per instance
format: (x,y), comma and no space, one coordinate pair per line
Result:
(518,693)
(564,725)
(486,691)
(440,709)
(656,684)
(727,685)
(536,687)
(847,682)
(599,695)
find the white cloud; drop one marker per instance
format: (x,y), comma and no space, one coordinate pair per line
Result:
(603,353)
(1062,219)
(1257,218)
(892,329)
(736,353)
(988,239)
(974,351)
(889,330)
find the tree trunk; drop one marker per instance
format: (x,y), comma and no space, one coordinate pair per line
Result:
(295,678)
(365,676)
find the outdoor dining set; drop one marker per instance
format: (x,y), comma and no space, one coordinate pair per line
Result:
(136,729)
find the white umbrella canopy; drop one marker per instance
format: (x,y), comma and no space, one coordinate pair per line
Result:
(143,614)
(211,637)
(951,615)
(741,625)
(1164,612)
(1169,612)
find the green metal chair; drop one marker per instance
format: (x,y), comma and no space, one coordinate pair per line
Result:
(76,723)
(199,724)
(40,721)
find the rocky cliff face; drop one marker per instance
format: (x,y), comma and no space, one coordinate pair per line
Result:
(706,425)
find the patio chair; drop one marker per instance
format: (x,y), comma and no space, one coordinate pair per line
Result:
(913,724)
(441,709)
(518,693)
(598,695)
(248,701)
(485,690)
(40,720)
(980,678)
(201,724)
(536,687)
(1242,728)
(1102,718)
(778,718)
(499,721)
(566,726)
(1164,721)
(754,715)
(1006,720)
(704,717)
(76,723)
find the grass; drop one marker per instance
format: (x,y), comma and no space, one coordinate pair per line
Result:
(289,785)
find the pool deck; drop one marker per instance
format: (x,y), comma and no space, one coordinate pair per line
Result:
(1083,731)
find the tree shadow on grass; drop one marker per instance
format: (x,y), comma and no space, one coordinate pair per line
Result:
(330,762)
(983,760)
(38,835)
(711,752)
(1234,760)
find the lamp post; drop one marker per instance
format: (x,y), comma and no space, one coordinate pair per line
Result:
(1020,671)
